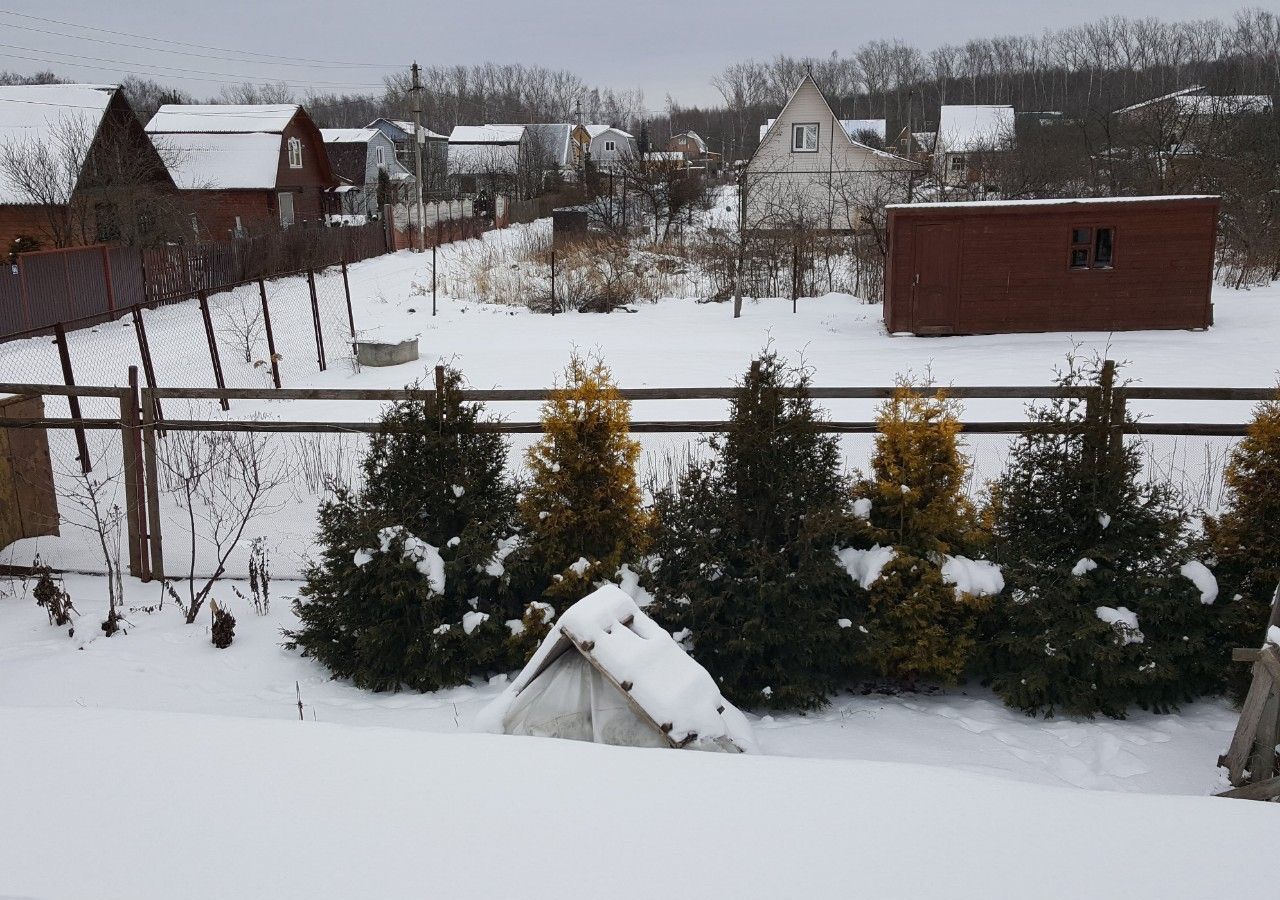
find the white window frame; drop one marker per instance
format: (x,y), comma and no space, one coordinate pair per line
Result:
(959,163)
(799,144)
(288,214)
(295,153)
(610,146)
(382,158)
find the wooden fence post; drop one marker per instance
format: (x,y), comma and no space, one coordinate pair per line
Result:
(73,402)
(214,357)
(152,476)
(135,505)
(315,318)
(440,397)
(271,337)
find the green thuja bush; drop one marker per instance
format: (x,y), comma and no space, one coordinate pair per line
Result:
(1245,539)
(917,625)
(743,567)
(1095,616)
(409,588)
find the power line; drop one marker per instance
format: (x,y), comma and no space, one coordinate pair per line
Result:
(299,59)
(174,72)
(219,58)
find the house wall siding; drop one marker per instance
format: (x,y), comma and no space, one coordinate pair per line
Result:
(782,185)
(1014,273)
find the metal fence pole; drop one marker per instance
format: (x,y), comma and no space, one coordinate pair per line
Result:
(144,351)
(433,275)
(315,318)
(271,338)
(214,358)
(351,317)
(73,402)
(553,281)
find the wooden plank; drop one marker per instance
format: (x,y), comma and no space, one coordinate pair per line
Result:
(1269,658)
(58,390)
(1245,654)
(1237,755)
(1263,763)
(1268,789)
(129,462)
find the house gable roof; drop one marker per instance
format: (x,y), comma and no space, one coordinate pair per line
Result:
(349,135)
(41,115)
(225,118)
(486,134)
(782,114)
(962,129)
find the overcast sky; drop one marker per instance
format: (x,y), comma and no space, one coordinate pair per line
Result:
(659,46)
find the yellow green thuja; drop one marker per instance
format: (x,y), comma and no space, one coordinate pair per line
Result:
(1245,540)
(919,626)
(581,507)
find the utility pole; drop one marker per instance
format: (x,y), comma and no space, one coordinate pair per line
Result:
(416,90)
(582,157)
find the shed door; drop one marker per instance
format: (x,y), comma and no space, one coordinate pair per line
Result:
(936,281)
(286,208)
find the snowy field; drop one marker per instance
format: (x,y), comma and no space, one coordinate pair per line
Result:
(152,765)
(175,769)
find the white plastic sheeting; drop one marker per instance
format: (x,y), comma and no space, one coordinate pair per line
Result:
(570,687)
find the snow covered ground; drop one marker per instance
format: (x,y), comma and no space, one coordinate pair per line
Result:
(672,343)
(152,765)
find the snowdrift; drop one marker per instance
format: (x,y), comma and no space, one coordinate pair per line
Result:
(607,673)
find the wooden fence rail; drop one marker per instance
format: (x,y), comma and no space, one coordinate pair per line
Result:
(141,423)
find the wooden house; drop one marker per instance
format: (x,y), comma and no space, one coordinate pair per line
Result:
(810,172)
(485,159)
(695,150)
(994,267)
(360,156)
(435,152)
(247,168)
(88,173)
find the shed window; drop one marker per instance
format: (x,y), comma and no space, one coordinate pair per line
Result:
(382,157)
(295,153)
(1092,248)
(804,137)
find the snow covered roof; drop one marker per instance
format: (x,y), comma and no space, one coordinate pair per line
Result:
(486,134)
(965,128)
(229,118)
(1062,201)
(348,135)
(1181,92)
(38,113)
(556,137)
(596,130)
(406,130)
(221,161)
(1231,105)
(471,159)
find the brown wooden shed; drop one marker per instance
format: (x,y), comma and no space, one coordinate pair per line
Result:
(995,267)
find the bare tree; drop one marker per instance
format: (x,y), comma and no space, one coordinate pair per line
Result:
(223,481)
(88,500)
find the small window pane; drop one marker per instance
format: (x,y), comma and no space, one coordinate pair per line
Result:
(1079,259)
(804,138)
(1103,249)
(1081,235)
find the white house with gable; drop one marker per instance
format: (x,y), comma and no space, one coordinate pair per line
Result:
(809,170)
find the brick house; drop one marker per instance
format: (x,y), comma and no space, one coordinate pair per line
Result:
(80,170)
(246,168)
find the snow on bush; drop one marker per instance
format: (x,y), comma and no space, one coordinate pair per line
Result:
(1083,566)
(1124,621)
(975,577)
(425,557)
(1199,575)
(865,566)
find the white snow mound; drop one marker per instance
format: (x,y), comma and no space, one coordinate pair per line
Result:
(1199,575)
(1124,621)
(865,566)
(975,577)
(630,649)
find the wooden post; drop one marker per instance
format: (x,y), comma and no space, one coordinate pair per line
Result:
(129,460)
(214,357)
(152,474)
(271,338)
(440,397)
(73,402)
(315,318)
(433,271)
